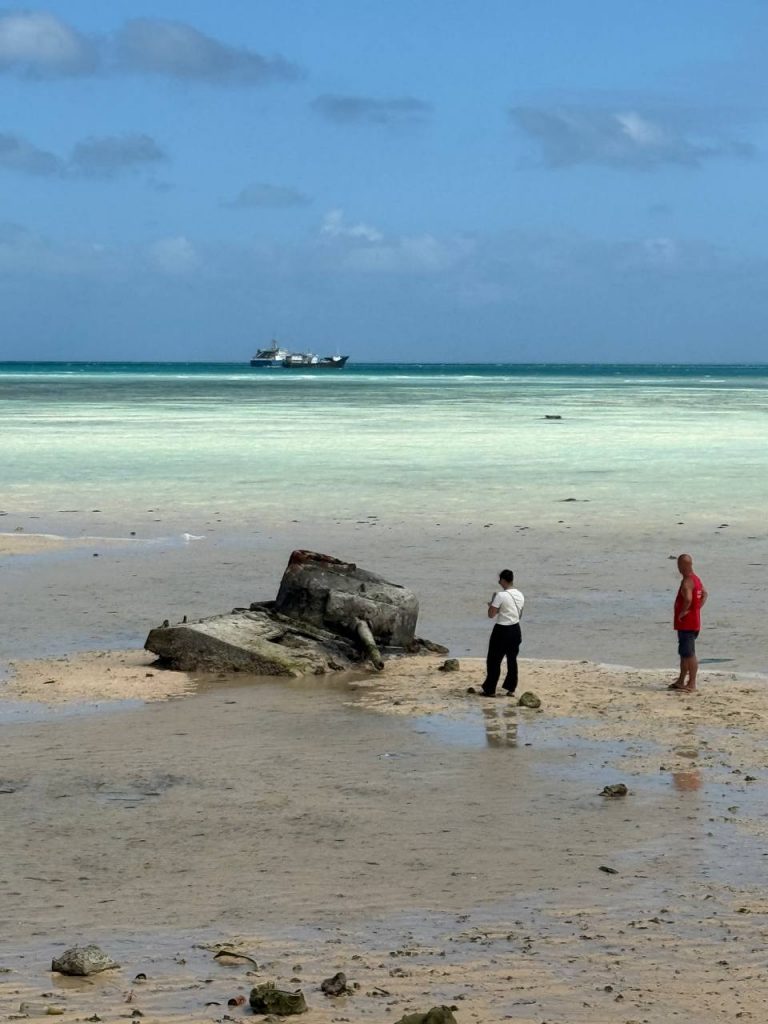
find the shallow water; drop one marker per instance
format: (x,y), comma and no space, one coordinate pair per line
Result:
(432,443)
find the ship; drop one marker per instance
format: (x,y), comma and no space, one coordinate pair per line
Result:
(275,356)
(272,356)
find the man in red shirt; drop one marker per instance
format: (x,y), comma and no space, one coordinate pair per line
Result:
(691,598)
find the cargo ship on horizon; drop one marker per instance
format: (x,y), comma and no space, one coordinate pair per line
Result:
(275,356)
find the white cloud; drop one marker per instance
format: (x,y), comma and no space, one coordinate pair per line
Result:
(640,130)
(418,254)
(567,136)
(334,226)
(159,46)
(38,44)
(361,247)
(174,256)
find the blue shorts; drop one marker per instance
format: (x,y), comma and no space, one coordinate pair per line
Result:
(686,642)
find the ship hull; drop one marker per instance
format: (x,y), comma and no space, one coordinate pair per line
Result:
(331,363)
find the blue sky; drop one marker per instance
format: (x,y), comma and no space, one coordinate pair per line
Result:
(404,179)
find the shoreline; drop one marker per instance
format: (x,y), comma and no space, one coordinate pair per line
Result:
(81,676)
(579,608)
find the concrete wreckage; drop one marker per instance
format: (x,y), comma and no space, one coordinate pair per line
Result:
(328,616)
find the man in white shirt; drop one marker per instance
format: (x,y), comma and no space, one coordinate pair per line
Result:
(506,607)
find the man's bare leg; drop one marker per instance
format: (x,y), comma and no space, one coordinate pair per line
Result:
(679,683)
(692,668)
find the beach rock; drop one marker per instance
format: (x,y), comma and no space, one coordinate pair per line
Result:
(450,665)
(332,594)
(529,700)
(328,616)
(83,960)
(267,998)
(254,641)
(437,1015)
(335,986)
(617,789)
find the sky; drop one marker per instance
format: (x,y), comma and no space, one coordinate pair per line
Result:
(420,180)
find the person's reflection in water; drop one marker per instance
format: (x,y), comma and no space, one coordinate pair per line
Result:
(500,725)
(688,781)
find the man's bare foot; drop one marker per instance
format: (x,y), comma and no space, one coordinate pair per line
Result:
(677,685)
(689,689)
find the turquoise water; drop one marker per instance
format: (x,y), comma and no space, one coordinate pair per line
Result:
(419,442)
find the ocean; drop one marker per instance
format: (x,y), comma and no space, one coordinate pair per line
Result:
(419,442)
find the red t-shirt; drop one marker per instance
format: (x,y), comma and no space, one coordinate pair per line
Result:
(692,618)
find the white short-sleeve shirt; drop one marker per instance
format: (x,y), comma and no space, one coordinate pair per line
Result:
(510,604)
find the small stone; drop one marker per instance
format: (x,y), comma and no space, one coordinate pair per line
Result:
(450,665)
(83,960)
(614,790)
(608,871)
(335,986)
(529,700)
(267,998)
(437,1015)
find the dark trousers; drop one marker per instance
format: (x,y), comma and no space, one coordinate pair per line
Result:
(504,642)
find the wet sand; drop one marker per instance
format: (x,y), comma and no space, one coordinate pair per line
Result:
(436,847)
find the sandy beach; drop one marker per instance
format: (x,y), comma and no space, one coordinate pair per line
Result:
(437,848)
